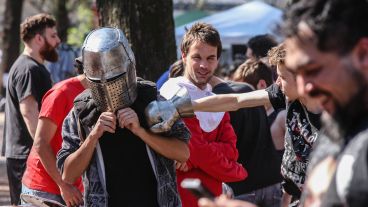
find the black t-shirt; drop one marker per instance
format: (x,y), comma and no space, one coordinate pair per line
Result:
(130,179)
(301,132)
(349,185)
(26,77)
(256,150)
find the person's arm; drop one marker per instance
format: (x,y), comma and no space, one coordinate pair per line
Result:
(46,130)
(231,102)
(278,130)
(29,110)
(285,199)
(171,148)
(76,162)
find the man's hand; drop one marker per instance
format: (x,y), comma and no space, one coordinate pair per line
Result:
(105,123)
(181,166)
(71,194)
(161,116)
(129,119)
(223,201)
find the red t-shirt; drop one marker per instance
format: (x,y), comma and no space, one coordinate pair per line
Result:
(56,104)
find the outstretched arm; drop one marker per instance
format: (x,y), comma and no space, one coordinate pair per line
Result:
(231,102)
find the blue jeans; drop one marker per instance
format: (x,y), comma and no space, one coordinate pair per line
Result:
(269,196)
(41,194)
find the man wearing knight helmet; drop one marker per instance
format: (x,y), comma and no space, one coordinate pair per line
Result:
(106,137)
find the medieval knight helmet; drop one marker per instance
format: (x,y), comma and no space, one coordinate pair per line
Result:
(109,66)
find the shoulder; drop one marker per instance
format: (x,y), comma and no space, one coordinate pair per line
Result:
(144,85)
(147,90)
(61,90)
(237,87)
(24,65)
(85,96)
(65,85)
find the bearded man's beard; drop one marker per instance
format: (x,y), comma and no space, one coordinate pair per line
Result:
(349,119)
(49,53)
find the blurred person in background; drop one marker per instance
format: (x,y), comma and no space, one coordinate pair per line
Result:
(258,46)
(42,177)
(28,81)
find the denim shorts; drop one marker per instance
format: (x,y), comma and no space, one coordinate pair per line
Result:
(41,194)
(269,196)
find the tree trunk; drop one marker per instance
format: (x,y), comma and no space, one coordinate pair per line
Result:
(11,38)
(149,27)
(63,23)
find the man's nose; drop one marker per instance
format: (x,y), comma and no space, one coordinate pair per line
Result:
(58,41)
(278,81)
(304,85)
(204,64)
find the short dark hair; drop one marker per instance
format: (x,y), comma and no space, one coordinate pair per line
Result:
(252,71)
(78,65)
(35,25)
(260,45)
(202,32)
(338,25)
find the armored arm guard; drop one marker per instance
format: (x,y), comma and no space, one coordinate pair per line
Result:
(161,115)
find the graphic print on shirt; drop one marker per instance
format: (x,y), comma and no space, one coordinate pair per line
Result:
(299,140)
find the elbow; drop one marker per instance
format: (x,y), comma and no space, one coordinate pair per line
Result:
(68,179)
(234,108)
(184,155)
(236,105)
(27,113)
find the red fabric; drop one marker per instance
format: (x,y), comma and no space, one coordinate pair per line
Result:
(56,104)
(212,158)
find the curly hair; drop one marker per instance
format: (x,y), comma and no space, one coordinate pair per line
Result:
(202,32)
(276,55)
(78,65)
(338,25)
(36,25)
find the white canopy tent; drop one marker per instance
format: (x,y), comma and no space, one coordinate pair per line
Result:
(240,23)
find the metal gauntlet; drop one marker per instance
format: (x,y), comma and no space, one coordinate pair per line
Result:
(161,115)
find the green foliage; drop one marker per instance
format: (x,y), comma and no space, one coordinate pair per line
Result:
(84,24)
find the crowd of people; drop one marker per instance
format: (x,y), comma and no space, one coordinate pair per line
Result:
(287,128)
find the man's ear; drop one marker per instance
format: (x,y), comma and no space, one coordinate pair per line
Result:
(261,84)
(360,55)
(183,57)
(39,39)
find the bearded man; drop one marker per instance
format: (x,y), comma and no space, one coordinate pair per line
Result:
(327,47)
(28,82)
